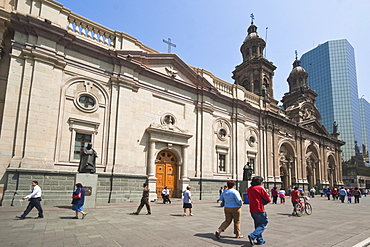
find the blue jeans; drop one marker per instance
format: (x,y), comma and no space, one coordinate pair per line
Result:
(342,198)
(260,224)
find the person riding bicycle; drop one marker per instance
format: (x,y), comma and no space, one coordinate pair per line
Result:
(294,194)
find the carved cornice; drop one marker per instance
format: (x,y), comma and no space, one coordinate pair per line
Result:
(124,82)
(45,56)
(206,107)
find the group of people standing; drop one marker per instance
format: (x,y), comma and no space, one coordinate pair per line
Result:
(257,197)
(342,193)
(275,193)
(187,200)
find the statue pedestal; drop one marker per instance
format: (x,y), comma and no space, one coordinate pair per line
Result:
(243,187)
(90,184)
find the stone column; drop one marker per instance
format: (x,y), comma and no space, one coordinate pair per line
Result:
(152,180)
(289,164)
(184,168)
(151,159)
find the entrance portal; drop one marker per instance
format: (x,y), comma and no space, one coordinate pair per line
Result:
(166,173)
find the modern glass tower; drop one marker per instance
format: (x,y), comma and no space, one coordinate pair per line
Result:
(365,124)
(331,72)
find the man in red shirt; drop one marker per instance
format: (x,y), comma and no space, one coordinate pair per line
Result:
(258,198)
(274,194)
(294,195)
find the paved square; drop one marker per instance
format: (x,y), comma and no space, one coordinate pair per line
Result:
(331,224)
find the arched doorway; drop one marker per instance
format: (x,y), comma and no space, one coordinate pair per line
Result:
(166,173)
(331,171)
(284,176)
(287,166)
(312,166)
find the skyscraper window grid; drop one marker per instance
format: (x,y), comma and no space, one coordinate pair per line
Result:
(332,74)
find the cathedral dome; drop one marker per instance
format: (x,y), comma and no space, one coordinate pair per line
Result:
(297,70)
(253,44)
(252,36)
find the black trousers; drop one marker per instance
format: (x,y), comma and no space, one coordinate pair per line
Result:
(34,202)
(144,201)
(166,198)
(357,199)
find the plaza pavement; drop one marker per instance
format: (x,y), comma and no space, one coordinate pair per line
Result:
(331,224)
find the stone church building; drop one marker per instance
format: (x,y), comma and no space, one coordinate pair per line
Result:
(66,81)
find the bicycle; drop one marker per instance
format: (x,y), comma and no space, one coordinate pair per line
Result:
(303,207)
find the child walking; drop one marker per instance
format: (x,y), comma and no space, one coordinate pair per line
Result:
(349,196)
(282,196)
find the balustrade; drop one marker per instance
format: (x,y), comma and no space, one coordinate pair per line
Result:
(91,30)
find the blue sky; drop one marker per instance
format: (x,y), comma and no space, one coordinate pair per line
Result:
(208,34)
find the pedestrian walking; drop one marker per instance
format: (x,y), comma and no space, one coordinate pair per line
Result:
(312,192)
(274,194)
(166,195)
(144,200)
(282,196)
(334,193)
(321,191)
(187,201)
(78,200)
(342,194)
(232,209)
(258,198)
(34,201)
(222,202)
(328,193)
(357,194)
(349,196)
(294,195)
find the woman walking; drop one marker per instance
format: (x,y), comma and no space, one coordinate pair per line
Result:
(78,200)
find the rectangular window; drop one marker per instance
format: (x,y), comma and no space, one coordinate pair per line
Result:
(221,162)
(81,141)
(251,162)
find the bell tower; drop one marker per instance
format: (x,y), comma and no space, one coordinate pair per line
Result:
(255,73)
(300,100)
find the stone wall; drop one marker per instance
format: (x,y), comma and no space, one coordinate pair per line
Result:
(210,188)
(57,187)
(119,188)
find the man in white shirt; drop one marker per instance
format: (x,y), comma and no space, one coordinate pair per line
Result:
(166,195)
(34,201)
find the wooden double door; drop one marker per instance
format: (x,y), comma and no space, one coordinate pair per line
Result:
(166,173)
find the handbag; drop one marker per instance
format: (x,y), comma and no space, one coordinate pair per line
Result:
(78,196)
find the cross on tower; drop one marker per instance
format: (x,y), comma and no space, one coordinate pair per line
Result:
(252,17)
(168,42)
(296,55)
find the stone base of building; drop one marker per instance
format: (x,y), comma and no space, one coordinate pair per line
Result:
(57,187)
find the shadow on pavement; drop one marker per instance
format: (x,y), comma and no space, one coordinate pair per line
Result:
(285,214)
(66,218)
(224,239)
(63,206)
(178,215)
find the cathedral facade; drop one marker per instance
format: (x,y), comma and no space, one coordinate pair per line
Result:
(66,81)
